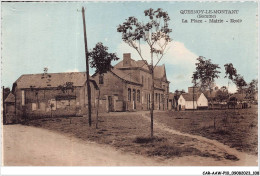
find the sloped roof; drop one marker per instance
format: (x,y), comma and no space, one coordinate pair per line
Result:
(159,71)
(189,96)
(142,64)
(133,63)
(127,77)
(51,80)
(10,98)
(239,97)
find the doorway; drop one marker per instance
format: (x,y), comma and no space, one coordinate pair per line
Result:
(110,104)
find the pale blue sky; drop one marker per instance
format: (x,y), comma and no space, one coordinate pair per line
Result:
(50,34)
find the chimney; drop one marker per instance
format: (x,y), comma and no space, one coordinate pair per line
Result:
(126,59)
(190,90)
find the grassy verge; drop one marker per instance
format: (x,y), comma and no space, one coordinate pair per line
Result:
(236,128)
(127,132)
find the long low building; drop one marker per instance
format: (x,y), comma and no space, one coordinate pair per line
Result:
(51,94)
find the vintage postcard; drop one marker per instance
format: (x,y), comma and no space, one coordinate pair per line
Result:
(136,83)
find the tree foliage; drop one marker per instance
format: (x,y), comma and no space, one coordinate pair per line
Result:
(100,59)
(206,72)
(230,71)
(252,89)
(195,77)
(240,83)
(155,32)
(221,95)
(253,86)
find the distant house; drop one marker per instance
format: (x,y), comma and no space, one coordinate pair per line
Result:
(52,94)
(192,100)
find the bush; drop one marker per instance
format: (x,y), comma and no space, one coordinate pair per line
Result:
(142,140)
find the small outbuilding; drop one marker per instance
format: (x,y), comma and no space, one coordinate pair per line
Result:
(192,101)
(9,109)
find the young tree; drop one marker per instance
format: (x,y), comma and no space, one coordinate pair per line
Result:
(154,33)
(101,60)
(195,77)
(230,72)
(206,72)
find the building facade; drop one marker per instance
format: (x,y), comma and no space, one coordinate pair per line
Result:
(52,94)
(128,86)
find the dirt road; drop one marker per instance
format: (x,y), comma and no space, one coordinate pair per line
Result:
(31,146)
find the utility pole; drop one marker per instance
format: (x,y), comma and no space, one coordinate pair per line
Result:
(3,105)
(87,67)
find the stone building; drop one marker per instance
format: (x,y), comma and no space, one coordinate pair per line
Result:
(127,87)
(52,94)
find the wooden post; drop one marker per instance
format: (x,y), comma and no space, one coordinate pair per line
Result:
(87,67)
(3,106)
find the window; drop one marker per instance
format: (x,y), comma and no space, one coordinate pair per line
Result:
(134,95)
(162,97)
(33,106)
(101,79)
(156,97)
(142,79)
(129,94)
(23,98)
(138,95)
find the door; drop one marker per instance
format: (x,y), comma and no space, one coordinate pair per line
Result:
(134,99)
(110,108)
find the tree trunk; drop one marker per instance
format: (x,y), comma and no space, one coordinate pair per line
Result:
(152,108)
(97,109)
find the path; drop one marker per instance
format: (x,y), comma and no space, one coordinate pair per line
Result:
(244,158)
